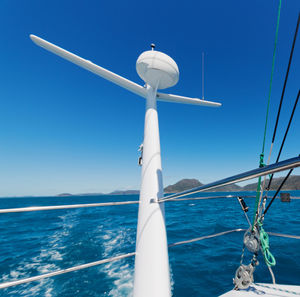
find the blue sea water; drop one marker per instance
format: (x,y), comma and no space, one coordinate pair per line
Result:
(39,242)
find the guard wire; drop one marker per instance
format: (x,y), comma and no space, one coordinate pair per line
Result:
(281,185)
(284,138)
(116,258)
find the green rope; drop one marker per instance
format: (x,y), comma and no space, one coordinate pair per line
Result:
(261,160)
(258,190)
(256,202)
(272,74)
(264,242)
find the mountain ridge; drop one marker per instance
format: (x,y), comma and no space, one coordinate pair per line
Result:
(293,183)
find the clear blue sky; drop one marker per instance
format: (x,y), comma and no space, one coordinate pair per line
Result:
(64,129)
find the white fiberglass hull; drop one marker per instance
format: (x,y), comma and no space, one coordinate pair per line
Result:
(265,290)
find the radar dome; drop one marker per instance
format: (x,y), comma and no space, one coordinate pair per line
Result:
(157,69)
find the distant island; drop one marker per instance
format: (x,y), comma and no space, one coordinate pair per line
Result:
(117,192)
(292,184)
(127,192)
(186,184)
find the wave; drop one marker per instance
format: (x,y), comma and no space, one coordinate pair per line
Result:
(48,260)
(120,272)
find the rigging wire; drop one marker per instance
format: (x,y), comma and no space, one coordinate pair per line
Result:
(284,138)
(286,78)
(272,74)
(282,95)
(261,158)
(281,185)
(288,127)
(262,205)
(280,166)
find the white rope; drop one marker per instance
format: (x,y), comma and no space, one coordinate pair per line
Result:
(272,275)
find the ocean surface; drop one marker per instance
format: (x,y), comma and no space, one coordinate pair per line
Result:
(34,243)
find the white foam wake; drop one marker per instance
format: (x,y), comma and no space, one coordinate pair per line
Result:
(51,251)
(120,272)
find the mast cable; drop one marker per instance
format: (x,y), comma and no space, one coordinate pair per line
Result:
(272,74)
(278,156)
(202,75)
(282,95)
(286,78)
(281,185)
(261,159)
(288,127)
(284,138)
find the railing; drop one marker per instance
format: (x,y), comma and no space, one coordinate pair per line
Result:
(284,165)
(270,169)
(120,257)
(87,205)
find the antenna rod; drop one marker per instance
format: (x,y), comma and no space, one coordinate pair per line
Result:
(202,75)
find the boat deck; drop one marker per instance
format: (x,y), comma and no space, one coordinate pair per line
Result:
(265,290)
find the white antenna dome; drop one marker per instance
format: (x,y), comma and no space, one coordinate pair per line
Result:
(157,69)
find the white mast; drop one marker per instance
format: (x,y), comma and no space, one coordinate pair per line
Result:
(151,277)
(159,71)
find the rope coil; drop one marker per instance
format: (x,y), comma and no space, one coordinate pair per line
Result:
(265,247)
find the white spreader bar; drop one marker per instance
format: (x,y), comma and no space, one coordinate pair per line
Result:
(186,100)
(115,78)
(88,65)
